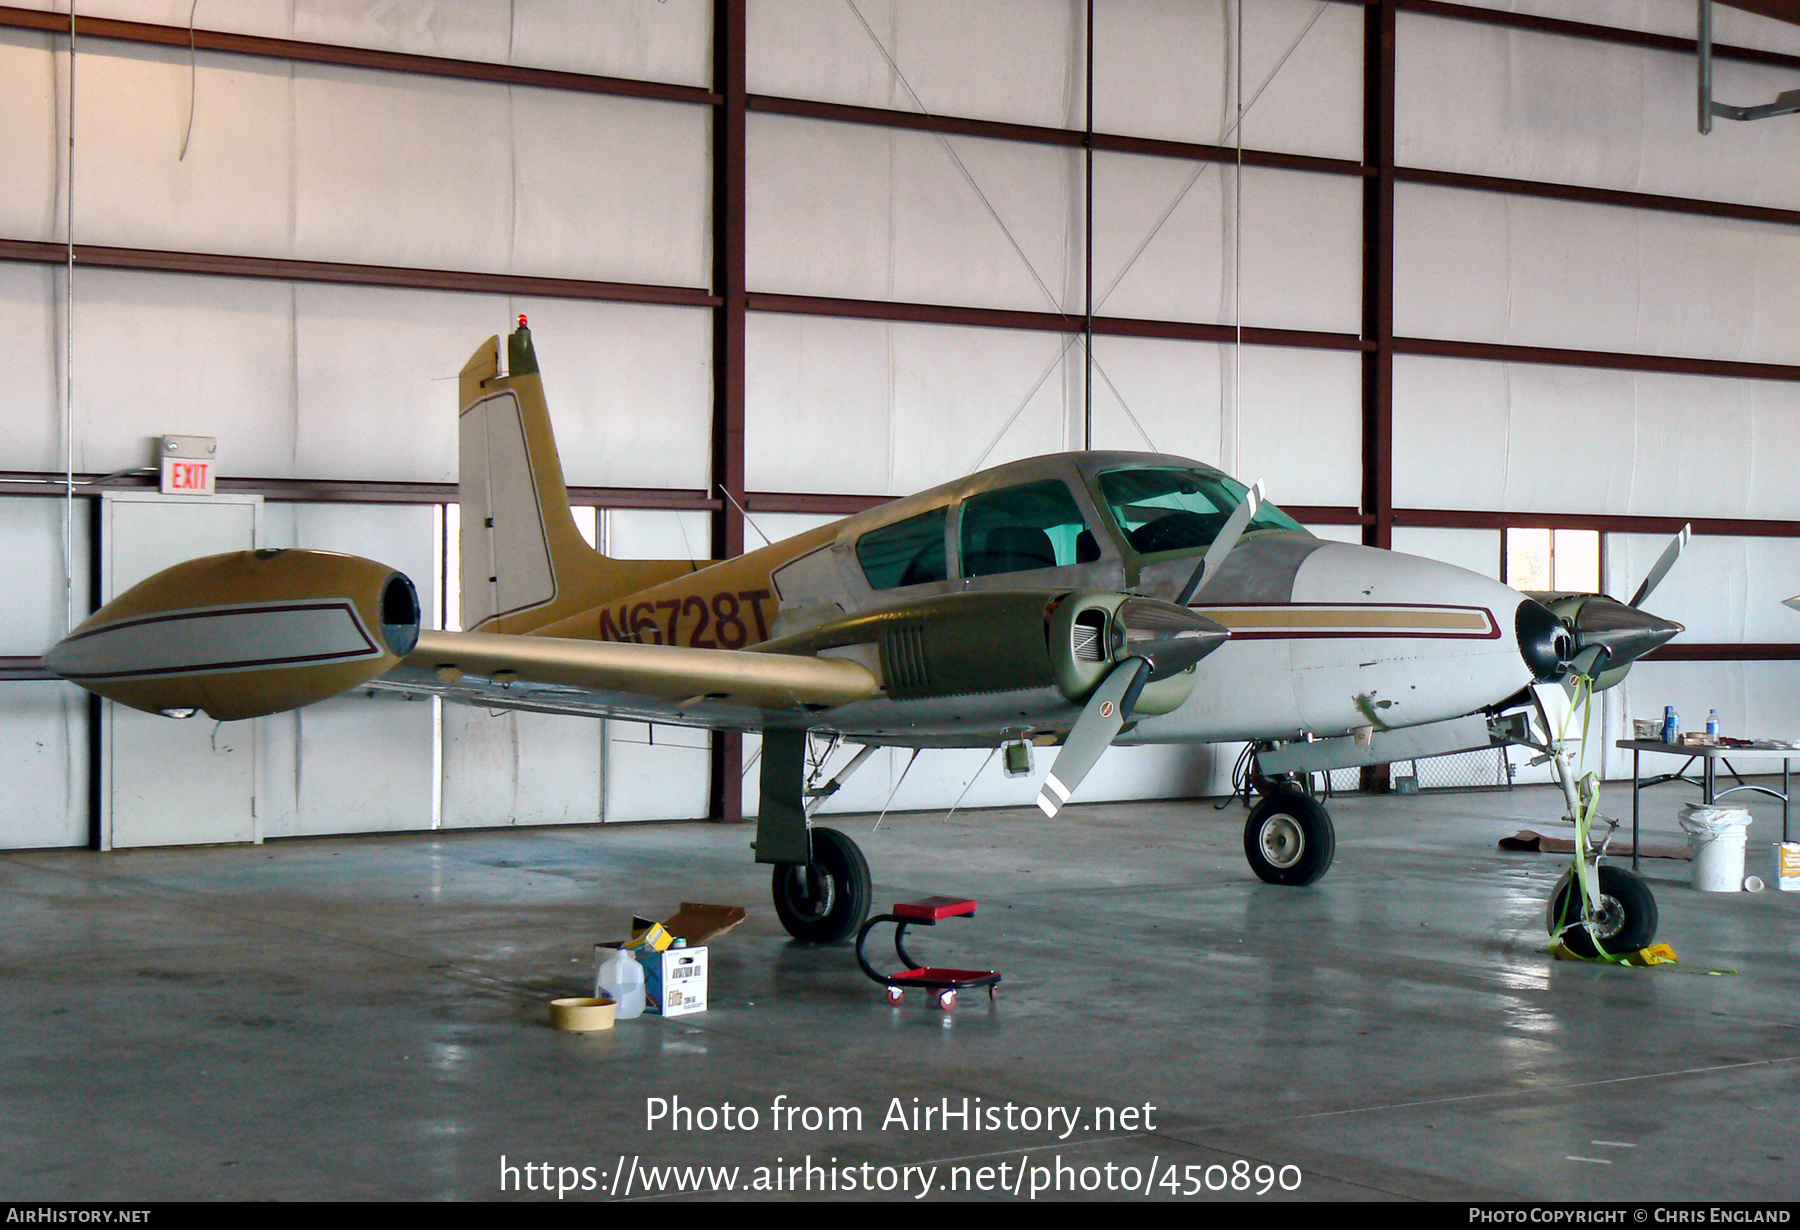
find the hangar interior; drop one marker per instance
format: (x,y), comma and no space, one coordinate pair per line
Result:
(1459,279)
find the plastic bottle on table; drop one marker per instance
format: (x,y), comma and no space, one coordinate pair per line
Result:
(1712,723)
(621,978)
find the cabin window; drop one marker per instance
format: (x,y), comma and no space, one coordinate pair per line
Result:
(1017,529)
(909,552)
(1179,510)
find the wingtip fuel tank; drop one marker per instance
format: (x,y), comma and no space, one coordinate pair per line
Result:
(244,634)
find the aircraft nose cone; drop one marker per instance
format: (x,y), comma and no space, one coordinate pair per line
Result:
(1627,632)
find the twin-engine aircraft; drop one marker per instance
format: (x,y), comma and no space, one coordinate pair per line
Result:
(1068,601)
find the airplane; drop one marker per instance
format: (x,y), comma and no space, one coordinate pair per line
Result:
(1068,601)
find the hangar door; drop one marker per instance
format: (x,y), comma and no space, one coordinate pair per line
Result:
(168,782)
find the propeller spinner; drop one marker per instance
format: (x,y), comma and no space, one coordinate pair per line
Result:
(1159,639)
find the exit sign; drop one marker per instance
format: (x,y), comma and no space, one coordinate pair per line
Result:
(189,464)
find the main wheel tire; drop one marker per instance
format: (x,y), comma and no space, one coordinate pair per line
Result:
(1289,839)
(1624,923)
(826,900)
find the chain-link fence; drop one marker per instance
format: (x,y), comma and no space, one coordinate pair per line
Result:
(1485,768)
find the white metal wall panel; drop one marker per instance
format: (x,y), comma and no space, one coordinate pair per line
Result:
(33,439)
(196,356)
(1302,244)
(1164,68)
(1492,436)
(630,390)
(43,725)
(1016,60)
(614,189)
(1723,589)
(376,380)
(1476,550)
(1754,700)
(878,213)
(355,763)
(876,408)
(271,18)
(319,381)
(1661,17)
(652,40)
(232,193)
(392,169)
(1517,104)
(519,769)
(656,772)
(1492,268)
(32,140)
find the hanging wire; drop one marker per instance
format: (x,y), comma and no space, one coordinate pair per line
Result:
(1201,168)
(192,75)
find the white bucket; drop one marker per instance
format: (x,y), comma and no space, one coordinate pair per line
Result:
(1716,836)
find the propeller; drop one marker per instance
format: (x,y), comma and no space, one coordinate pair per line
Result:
(1664,562)
(1793,603)
(1610,635)
(1160,639)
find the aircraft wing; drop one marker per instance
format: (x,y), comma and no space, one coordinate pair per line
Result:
(673,684)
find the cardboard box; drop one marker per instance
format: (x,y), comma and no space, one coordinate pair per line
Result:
(1787,866)
(674,980)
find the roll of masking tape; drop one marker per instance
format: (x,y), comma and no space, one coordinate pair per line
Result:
(583,1015)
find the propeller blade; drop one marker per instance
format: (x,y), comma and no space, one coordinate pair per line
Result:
(1666,561)
(1792,603)
(1106,711)
(1221,546)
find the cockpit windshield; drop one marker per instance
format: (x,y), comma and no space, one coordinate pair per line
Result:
(1165,509)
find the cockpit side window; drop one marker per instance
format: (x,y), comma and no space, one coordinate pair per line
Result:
(909,552)
(1162,510)
(1037,525)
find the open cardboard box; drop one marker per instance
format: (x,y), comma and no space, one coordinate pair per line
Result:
(675,978)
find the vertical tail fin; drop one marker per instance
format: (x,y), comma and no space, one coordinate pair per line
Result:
(524,562)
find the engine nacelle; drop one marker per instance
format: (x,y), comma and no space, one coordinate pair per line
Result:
(244,634)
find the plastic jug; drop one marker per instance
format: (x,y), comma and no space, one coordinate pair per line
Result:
(621,978)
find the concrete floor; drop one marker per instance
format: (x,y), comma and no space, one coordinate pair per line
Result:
(365,1017)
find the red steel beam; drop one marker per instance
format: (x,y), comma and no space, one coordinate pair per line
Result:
(1484,519)
(348,57)
(1599,196)
(207,264)
(1037,134)
(730,83)
(1591,32)
(1498,352)
(1378,274)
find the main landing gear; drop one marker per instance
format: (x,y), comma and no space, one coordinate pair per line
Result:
(1289,839)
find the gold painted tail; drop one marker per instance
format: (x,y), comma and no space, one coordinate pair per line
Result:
(524,563)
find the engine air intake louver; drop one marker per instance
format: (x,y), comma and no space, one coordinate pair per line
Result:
(903,660)
(1090,636)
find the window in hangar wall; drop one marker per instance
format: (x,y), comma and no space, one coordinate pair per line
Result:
(1559,560)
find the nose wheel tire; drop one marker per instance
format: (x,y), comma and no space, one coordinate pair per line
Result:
(1624,923)
(1289,839)
(826,900)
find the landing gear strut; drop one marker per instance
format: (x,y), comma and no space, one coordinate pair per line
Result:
(1289,839)
(826,900)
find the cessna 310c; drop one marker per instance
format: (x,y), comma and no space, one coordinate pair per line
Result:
(1072,600)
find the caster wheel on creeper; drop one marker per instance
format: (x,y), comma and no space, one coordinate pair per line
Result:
(895,995)
(946,1000)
